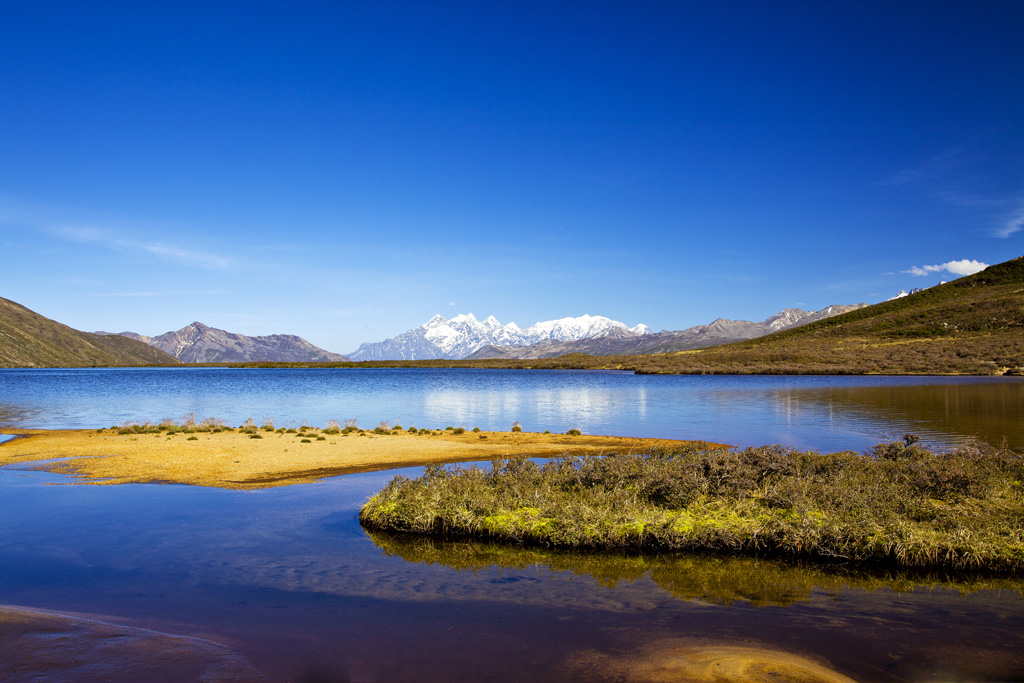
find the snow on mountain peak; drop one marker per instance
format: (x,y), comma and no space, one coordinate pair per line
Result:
(436,320)
(460,336)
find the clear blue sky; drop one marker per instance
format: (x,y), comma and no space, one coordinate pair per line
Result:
(344,171)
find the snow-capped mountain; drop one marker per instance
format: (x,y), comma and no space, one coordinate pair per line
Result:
(717,332)
(460,336)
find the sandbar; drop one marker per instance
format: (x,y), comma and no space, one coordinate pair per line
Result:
(234,460)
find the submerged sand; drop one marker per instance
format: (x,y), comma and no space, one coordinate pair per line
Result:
(234,460)
(682,662)
(48,646)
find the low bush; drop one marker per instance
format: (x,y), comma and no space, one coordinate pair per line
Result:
(897,504)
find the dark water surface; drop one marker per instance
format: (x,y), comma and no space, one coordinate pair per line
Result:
(825,413)
(287,579)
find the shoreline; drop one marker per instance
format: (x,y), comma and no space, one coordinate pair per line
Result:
(233,459)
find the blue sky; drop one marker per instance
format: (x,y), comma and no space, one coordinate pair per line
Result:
(344,171)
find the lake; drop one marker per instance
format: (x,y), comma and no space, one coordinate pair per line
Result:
(284,585)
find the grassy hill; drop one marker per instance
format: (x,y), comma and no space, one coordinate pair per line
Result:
(28,339)
(971,326)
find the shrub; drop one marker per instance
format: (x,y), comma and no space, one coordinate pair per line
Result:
(911,507)
(458,430)
(516,427)
(574,432)
(476,429)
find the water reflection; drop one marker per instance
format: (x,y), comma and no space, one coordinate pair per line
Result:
(583,407)
(989,411)
(824,413)
(712,579)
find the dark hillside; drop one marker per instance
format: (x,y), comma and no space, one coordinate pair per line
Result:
(28,339)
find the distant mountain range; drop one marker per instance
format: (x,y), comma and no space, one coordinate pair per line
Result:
(28,339)
(199,343)
(720,331)
(973,325)
(460,336)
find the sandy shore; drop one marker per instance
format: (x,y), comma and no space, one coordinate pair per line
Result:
(234,460)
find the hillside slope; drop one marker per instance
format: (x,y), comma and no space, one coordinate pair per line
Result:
(28,339)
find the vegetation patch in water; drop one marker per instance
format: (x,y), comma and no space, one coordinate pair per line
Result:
(897,504)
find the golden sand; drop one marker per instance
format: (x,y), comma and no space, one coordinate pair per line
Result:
(234,460)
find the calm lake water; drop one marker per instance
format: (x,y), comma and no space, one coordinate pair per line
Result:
(287,580)
(825,413)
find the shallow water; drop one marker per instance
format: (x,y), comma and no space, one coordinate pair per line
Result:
(287,580)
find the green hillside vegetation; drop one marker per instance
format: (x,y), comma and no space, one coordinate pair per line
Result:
(971,326)
(28,339)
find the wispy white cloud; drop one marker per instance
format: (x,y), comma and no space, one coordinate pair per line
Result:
(127,294)
(170,252)
(1013,223)
(958,179)
(932,168)
(178,293)
(961,267)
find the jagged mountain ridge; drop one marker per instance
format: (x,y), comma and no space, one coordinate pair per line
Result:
(199,343)
(720,331)
(28,339)
(460,336)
